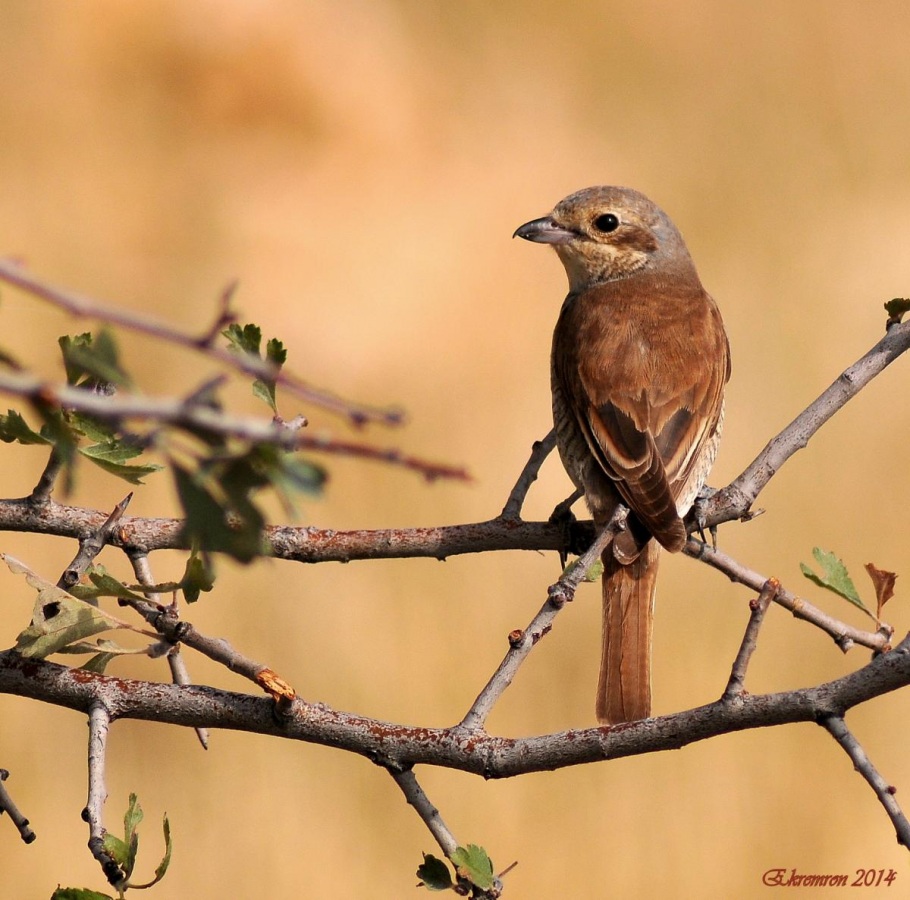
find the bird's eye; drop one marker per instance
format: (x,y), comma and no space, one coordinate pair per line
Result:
(606,223)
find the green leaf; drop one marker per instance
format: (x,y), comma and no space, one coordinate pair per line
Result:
(594,571)
(92,360)
(92,428)
(110,458)
(108,586)
(98,663)
(132,817)
(207,522)
(131,820)
(248,339)
(104,652)
(197,577)
(434,874)
(168,848)
(473,864)
(14,428)
(58,618)
(118,849)
(264,388)
(834,577)
(78,894)
(244,338)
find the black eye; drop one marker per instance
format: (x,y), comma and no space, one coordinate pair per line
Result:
(606,223)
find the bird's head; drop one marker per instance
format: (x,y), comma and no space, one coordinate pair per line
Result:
(607,233)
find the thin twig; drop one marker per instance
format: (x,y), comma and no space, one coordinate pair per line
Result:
(414,794)
(539,452)
(838,729)
(521,642)
(99,723)
(758,606)
(197,417)
(735,500)
(92,544)
(845,636)
(165,620)
(41,493)
(8,806)
(180,674)
(84,307)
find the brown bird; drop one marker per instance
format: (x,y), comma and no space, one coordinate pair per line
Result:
(639,363)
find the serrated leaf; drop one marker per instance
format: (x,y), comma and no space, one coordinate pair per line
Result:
(92,360)
(92,428)
(276,353)
(14,428)
(244,338)
(434,874)
(108,457)
(834,577)
(132,817)
(111,451)
(248,339)
(67,343)
(473,864)
(58,618)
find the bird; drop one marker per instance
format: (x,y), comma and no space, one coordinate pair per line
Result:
(639,363)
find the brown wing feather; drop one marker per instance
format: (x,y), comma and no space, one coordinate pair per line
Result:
(647,426)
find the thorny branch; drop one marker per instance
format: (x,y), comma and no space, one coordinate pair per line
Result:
(199,417)
(398,748)
(521,643)
(736,499)
(85,307)
(142,569)
(401,746)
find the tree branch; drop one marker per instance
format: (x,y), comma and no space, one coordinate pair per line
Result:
(837,728)
(414,794)
(99,722)
(399,747)
(758,606)
(196,416)
(845,636)
(522,642)
(735,500)
(539,452)
(84,307)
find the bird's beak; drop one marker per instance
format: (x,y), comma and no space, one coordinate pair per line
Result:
(544,231)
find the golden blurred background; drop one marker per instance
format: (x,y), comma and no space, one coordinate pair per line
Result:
(360,167)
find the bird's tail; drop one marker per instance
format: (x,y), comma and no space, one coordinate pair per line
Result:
(624,689)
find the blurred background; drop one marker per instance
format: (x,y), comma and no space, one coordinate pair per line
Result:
(360,168)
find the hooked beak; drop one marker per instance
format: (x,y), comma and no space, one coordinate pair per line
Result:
(544,231)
